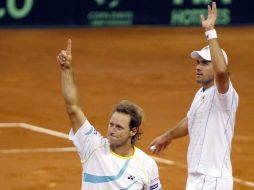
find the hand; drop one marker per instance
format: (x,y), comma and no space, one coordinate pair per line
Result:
(208,24)
(64,57)
(160,143)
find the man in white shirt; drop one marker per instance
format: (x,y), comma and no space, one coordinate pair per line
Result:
(210,120)
(112,163)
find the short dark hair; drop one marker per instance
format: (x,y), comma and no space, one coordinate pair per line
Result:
(136,113)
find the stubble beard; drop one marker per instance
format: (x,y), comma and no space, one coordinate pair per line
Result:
(204,82)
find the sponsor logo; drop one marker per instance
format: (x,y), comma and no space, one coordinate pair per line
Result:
(131,177)
(111,4)
(183,13)
(15,11)
(154,186)
(109,13)
(156,179)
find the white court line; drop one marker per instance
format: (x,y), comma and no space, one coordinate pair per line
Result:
(163,161)
(9,125)
(243,138)
(65,136)
(44,130)
(168,162)
(36,129)
(36,150)
(243,182)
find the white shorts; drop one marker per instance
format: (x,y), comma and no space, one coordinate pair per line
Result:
(204,182)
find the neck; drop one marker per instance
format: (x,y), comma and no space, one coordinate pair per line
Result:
(207,85)
(125,151)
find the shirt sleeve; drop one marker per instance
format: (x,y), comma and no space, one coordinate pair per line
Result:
(86,140)
(154,180)
(229,99)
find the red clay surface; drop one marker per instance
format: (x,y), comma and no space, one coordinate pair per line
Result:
(150,66)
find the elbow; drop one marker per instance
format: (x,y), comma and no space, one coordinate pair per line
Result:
(221,69)
(72,109)
(222,72)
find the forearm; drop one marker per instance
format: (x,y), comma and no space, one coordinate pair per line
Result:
(218,61)
(180,130)
(71,98)
(221,74)
(69,89)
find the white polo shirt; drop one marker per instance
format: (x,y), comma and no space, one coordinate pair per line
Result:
(105,170)
(211,121)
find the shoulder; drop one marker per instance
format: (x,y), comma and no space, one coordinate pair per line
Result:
(230,92)
(198,93)
(87,136)
(227,101)
(145,157)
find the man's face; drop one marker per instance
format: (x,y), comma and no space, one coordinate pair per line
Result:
(118,129)
(204,72)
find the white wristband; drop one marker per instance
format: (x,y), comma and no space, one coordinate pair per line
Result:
(211,34)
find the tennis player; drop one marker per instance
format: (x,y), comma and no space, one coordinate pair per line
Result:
(112,163)
(210,120)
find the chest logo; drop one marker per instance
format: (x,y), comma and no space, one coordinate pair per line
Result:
(131,177)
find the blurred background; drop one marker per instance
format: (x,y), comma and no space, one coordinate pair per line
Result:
(98,13)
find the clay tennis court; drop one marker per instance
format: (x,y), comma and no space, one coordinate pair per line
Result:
(150,66)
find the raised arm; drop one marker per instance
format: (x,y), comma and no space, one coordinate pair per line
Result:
(69,89)
(162,141)
(221,73)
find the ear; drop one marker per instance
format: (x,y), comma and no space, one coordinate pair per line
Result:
(133,131)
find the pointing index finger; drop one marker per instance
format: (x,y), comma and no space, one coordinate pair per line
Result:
(68,49)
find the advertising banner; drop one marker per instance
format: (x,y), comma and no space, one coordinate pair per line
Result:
(97,13)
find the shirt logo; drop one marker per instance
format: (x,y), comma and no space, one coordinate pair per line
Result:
(154,186)
(95,132)
(131,177)
(156,179)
